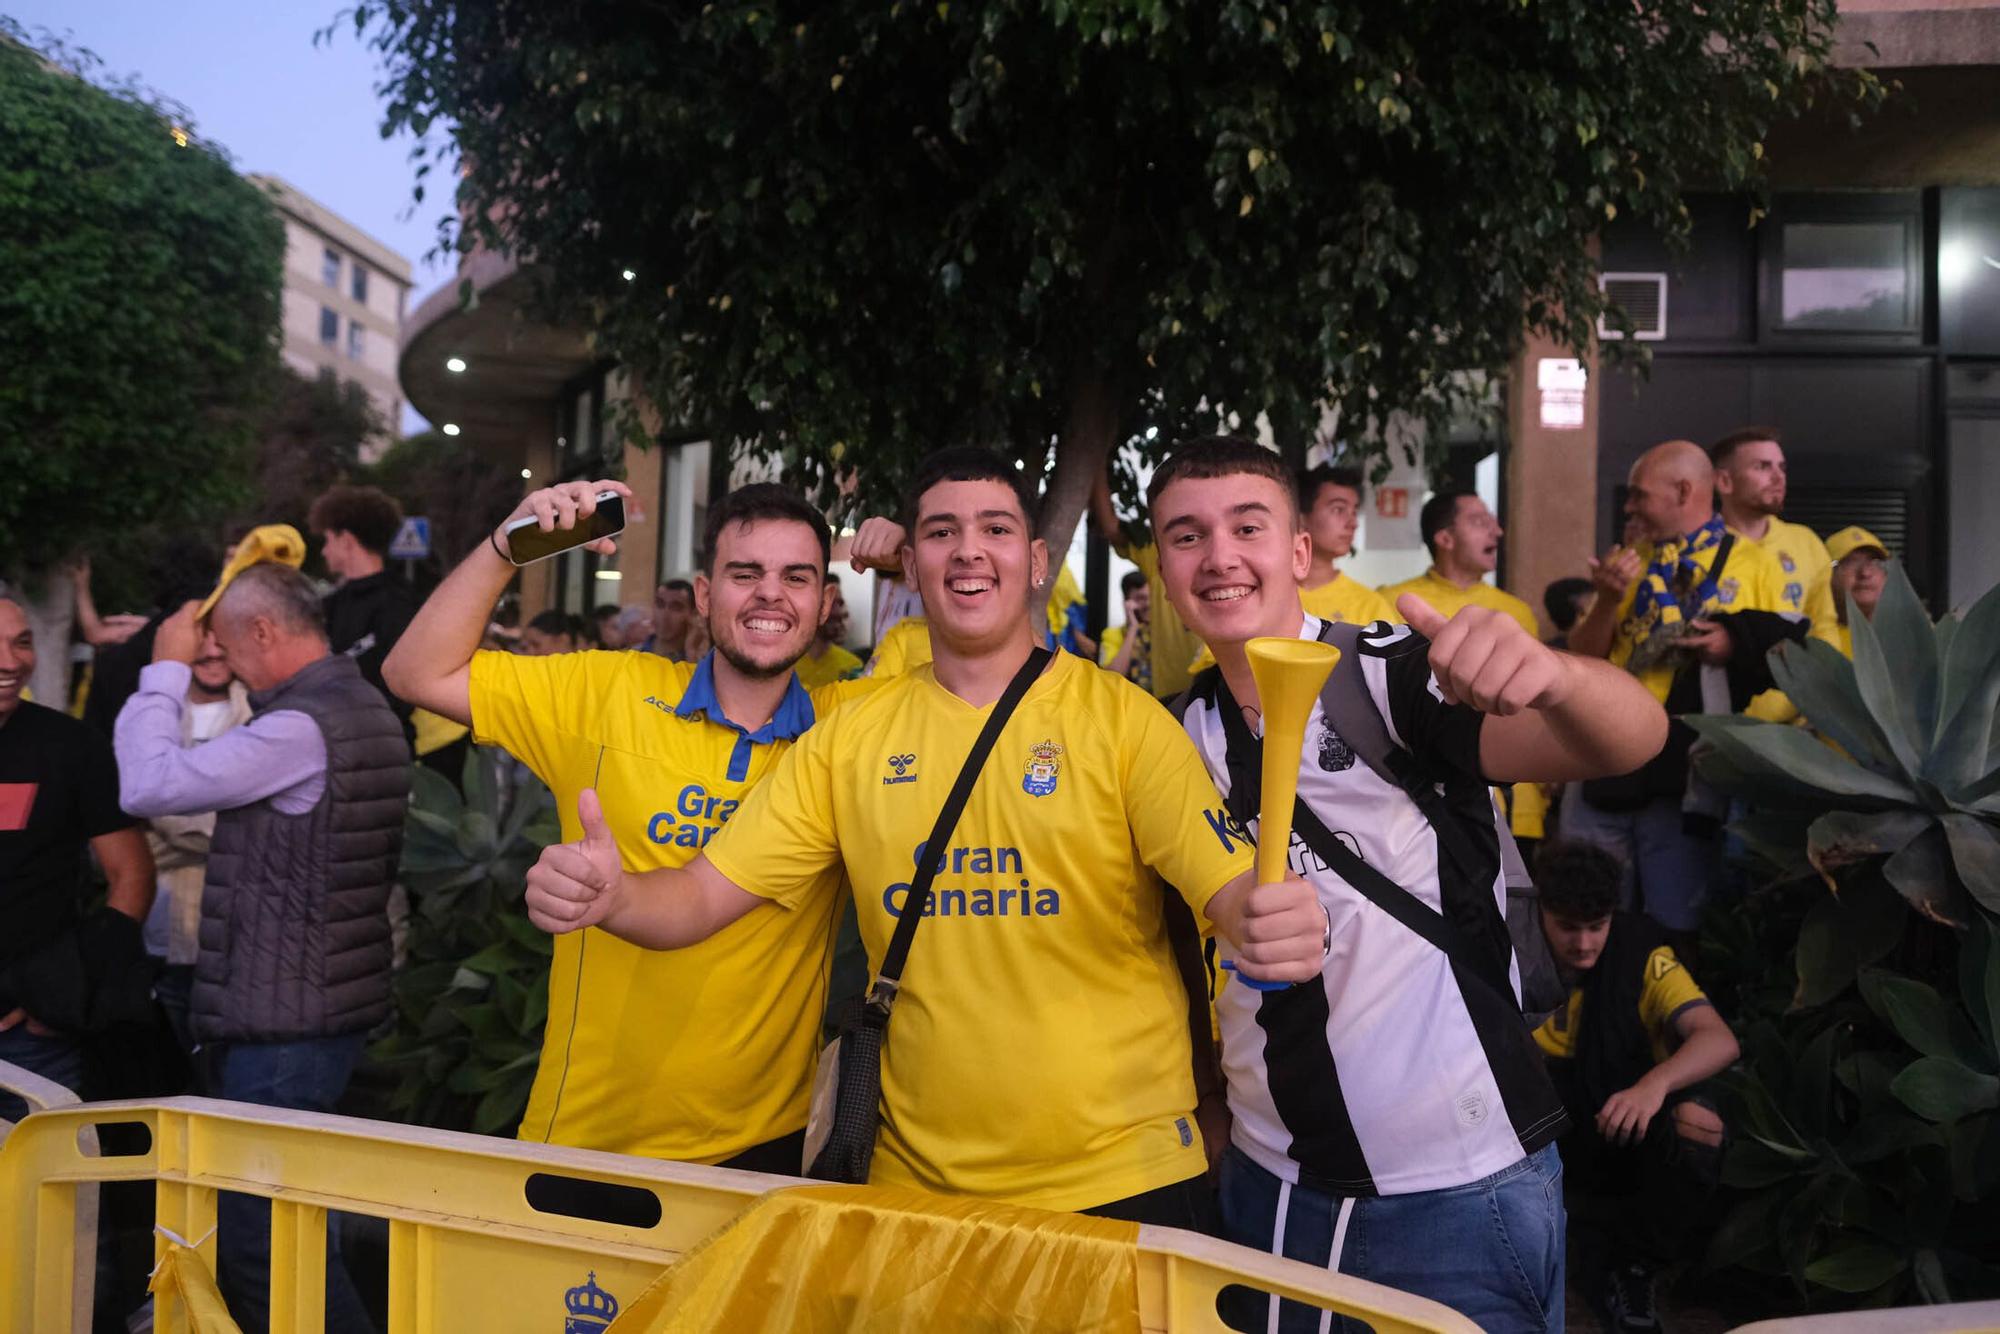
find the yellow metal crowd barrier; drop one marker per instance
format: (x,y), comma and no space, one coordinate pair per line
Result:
(467,1249)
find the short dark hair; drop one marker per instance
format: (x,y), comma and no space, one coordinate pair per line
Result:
(606,611)
(558,623)
(1134,579)
(748,504)
(1221,456)
(1559,598)
(1312,479)
(368,512)
(1577,880)
(967,463)
(1719,452)
(1438,514)
(676,586)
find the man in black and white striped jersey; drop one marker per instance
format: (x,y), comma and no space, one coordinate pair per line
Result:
(1392,1121)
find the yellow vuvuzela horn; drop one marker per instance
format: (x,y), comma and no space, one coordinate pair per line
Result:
(1289,674)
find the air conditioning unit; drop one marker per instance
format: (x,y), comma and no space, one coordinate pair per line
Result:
(1643,297)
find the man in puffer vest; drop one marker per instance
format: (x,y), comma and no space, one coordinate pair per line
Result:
(292,969)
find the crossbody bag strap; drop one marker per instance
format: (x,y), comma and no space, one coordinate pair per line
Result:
(882,995)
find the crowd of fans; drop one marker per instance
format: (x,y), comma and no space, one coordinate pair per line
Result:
(1380,1072)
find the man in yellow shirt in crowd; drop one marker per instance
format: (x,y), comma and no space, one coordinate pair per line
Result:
(1464,541)
(1750,481)
(704,1055)
(1040,1052)
(1630,1051)
(1667,611)
(1858,575)
(827,660)
(1174,647)
(1128,649)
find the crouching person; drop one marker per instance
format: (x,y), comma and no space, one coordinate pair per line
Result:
(1629,1053)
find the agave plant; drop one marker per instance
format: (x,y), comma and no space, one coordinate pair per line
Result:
(1913,772)
(471,1003)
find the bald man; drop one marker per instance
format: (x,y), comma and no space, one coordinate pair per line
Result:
(1690,611)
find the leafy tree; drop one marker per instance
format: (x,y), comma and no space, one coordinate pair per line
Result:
(851,231)
(138,315)
(449,482)
(308,438)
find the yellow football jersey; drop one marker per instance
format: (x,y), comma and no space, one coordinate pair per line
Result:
(1750,582)
(1447,597)
(906,645)
(1668,990)
(1039,1052)
(694,1054)
(836,664)
(1175,647)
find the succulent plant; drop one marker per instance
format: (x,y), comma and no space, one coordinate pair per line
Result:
(1912,771)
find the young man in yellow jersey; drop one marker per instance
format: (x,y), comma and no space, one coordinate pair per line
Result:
(828,660)
(1690,612)
(1750,482)
(1040,1052)
(1630,1051)
(704,1055)
(1174,647)
(1330,508)
(1391,1119)
(1464,542)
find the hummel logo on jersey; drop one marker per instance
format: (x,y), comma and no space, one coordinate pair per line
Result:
(902,764)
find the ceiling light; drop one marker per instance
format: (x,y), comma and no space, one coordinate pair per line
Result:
(609,574)
(450,428)
(629,275)
(526,473)
(456,365)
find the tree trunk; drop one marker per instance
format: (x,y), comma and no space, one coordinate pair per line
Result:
(1089,433)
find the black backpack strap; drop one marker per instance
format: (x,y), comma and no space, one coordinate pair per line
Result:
(882,996)
(1350,711)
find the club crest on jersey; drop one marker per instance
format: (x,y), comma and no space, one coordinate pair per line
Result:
(902,764)
(1044,765)
(1334,753)
(1785,560)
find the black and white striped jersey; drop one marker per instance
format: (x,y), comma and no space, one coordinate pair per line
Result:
(1396,1072)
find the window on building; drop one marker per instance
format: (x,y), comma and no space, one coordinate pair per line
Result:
(1844,275)
(329,326)
(354,340)
(329,267)
(360,284)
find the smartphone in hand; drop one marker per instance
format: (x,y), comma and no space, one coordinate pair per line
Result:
(527,543)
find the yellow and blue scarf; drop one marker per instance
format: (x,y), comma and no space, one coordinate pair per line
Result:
(1675,587)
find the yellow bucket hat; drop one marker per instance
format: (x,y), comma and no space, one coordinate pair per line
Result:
(273,544)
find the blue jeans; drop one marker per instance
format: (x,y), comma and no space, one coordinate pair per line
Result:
(1669,872)
(308,1075)
(1491,1250)
(52,1056)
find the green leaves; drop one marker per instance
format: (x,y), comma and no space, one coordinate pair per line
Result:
(1940,1089)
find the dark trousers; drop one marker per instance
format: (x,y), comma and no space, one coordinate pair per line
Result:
(1187,1204)
(51,1055)
(307,1075)
(1637,1203)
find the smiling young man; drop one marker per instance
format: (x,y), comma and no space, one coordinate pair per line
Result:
(1040,1052)
(704,1055)
(1391,1120)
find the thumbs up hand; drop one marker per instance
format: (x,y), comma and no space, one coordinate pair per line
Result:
(575,885)
(1484,658)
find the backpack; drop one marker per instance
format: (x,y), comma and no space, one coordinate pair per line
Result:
(1351,713)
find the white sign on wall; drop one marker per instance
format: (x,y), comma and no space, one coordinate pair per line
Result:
(1560,382)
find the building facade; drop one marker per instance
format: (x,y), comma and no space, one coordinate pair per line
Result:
(345,294)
